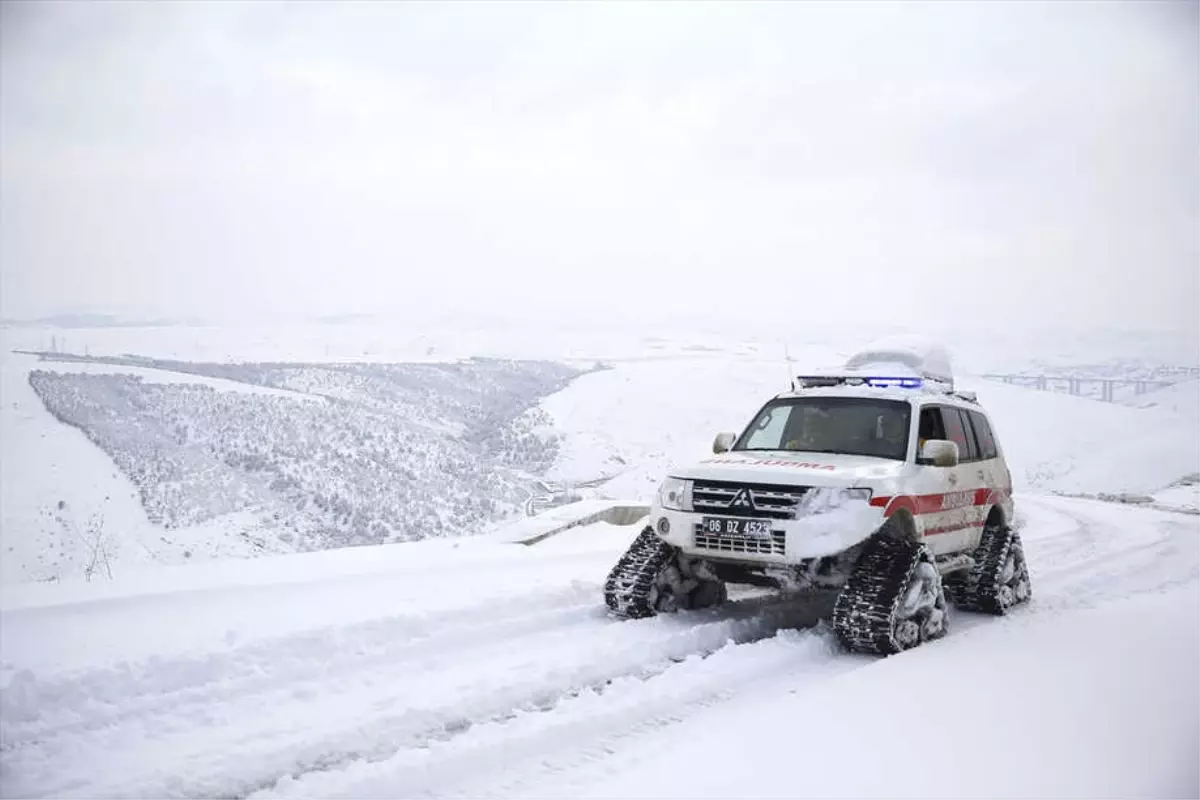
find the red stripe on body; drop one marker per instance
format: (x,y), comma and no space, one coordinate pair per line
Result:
(932,503)
(935,504)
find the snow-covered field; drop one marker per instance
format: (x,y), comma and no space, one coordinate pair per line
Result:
(476,668)
(479,667)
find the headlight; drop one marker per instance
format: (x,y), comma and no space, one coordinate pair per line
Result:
(819,500)
(675,494)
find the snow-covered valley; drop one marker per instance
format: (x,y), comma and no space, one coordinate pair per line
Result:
(471,666)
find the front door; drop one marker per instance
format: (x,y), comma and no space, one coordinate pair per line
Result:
(950,516)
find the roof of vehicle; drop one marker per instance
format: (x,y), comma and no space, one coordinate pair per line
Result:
(910,368)
(923,394)
(904,368)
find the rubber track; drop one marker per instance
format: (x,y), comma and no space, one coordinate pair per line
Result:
(630,584)
(978,589)
(865,608)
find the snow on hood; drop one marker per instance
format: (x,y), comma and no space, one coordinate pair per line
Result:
(804,469)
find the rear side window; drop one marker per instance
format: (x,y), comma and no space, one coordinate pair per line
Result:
(956,433)
(972,441)
(983,432)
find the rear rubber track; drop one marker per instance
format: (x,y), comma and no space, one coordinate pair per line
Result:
(1000,578)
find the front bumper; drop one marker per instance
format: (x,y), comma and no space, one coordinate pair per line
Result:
(790,541)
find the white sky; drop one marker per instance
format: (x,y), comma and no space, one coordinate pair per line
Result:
(952,161)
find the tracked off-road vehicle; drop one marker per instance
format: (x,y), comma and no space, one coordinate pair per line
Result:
(878,482)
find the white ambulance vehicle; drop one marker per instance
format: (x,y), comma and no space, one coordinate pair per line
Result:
(877,481)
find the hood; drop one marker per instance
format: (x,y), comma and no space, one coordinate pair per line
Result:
(798,469)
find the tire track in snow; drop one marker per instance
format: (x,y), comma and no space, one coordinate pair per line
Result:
(1104,553)
(1089,557)
(453,688)
(31,710)
(501,755)
(1085,560)
(235,743)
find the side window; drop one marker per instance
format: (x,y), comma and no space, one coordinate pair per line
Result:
(955,432)
(930,425)
(972,453)
(983,432)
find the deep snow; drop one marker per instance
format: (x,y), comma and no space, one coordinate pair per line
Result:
(481,668)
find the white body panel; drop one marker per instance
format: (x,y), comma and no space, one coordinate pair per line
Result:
(945,506)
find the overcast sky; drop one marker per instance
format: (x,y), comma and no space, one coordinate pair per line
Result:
(949,160)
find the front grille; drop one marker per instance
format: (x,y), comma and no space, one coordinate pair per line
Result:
(775,546)
(769,502)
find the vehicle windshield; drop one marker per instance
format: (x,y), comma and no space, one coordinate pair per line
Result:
(850,425)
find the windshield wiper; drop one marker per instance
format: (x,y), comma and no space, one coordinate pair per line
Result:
(786,450)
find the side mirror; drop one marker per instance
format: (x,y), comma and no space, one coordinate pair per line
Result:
(723,442)
(939,452)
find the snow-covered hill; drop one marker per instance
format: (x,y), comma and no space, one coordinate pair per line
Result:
(62,498)
(172,461)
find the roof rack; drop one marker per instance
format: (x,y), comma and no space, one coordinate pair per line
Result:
(898,362)
(928,384)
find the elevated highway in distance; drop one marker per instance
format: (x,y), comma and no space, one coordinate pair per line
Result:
(1104,387)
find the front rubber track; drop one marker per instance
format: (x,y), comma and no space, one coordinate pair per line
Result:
(630,590)
(867,614)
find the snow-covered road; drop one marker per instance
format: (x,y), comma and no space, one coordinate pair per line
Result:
(478,668)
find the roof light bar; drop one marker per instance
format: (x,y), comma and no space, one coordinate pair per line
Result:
(876,381)
(903,383)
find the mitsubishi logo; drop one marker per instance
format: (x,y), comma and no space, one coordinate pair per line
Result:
(742,499)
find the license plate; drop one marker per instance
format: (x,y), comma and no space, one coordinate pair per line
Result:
(722,526)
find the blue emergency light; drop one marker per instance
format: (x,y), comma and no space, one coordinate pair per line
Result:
(903,383)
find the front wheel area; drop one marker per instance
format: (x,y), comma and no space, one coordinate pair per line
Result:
(653,577)
(893,601)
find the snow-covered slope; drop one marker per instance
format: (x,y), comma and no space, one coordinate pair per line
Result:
(479,668)
(1182,398)
(54,483)
(1056,442)
(188,462)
